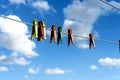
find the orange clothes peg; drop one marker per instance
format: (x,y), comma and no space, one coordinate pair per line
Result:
(91,41)
(53,33)
(70,37)
(34,29)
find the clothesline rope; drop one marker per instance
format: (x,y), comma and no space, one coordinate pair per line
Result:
(110,4)
(102,40)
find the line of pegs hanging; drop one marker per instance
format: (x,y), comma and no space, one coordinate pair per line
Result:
(70,37)
(53,33)
(34,29)
(41,31)
(59,39)
(91,41)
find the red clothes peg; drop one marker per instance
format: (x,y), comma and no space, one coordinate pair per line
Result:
(53,33)
(91,41)
(40,31)
(70,37)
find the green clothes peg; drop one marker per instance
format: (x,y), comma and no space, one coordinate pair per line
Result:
(59,39)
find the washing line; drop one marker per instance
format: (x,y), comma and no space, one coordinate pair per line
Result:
(75,35)
(110,4)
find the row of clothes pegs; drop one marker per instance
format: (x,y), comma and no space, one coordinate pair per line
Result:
(39,31)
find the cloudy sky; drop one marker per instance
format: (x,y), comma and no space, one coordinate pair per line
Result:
(24,59)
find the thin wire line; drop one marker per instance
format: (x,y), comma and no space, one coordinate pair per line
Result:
(110,4)
(16,20)
(102,40)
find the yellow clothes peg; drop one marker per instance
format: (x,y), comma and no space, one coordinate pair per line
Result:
(34,29)
(44,30)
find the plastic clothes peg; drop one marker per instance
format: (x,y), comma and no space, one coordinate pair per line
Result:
(34,29)
(53,33)
(70,37)
(40,31)
(59,38)
(91,41)
(44,30)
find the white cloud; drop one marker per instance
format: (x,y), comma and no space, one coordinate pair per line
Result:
(3,57)
(42,6)
(3,69)
(110,62)
(14,59)
(81,16)
(93,67)
(20,61)
(115,4)
(14,37)
(17,1)
(26,76)
(3,6)
(57,71)
(33,71)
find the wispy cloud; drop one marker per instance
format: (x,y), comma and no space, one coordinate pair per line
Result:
(33,71)
(3,69)
(38,6)
(57,71)
(110,62)
(93,67)
(3,57)
(42,6)
(26,76)
(81,16)
(3,6)
(14,37)
(14,59)
(17,1)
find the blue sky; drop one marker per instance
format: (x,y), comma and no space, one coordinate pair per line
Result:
(24,59)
